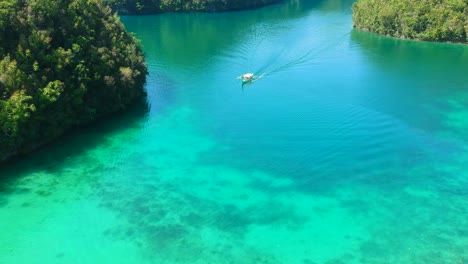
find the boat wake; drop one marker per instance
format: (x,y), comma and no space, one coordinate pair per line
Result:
(282,61)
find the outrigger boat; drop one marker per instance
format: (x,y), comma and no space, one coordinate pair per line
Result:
(247,78)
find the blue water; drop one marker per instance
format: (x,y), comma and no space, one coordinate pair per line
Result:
(353,148)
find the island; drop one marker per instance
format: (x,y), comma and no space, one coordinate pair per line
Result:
(428,20)
(63,64)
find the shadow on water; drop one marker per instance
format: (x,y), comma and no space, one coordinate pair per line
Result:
(413,57)
(53,157)
(161,92)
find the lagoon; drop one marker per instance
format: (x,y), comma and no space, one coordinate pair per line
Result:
(352,149)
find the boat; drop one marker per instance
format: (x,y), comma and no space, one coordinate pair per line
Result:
(247,77)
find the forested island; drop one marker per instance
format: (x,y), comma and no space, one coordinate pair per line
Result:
(62,64)
(429,20)
(158,6)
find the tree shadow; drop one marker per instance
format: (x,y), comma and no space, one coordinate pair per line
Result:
(75,142)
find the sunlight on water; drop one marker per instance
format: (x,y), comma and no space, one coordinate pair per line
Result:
(347,151)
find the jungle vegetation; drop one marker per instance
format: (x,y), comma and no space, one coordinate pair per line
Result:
(157,6)
(430,20)
(63,63)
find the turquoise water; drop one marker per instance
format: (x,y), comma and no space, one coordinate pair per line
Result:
(352,149)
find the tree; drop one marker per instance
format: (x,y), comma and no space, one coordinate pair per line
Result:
(63,63)
(431,20)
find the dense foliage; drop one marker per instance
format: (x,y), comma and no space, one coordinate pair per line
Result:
(155,6)
(62,63)
(432,20)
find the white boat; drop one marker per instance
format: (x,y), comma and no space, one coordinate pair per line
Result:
(247,77)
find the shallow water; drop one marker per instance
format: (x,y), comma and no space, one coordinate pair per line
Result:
(352,149)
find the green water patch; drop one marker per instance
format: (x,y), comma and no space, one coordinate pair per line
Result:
(183,211)
(50,210)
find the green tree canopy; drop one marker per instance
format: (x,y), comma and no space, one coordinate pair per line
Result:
(62,63)
(431,20)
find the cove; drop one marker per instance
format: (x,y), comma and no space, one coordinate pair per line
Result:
(352,149)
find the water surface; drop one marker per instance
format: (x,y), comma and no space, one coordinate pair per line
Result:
(352,149)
